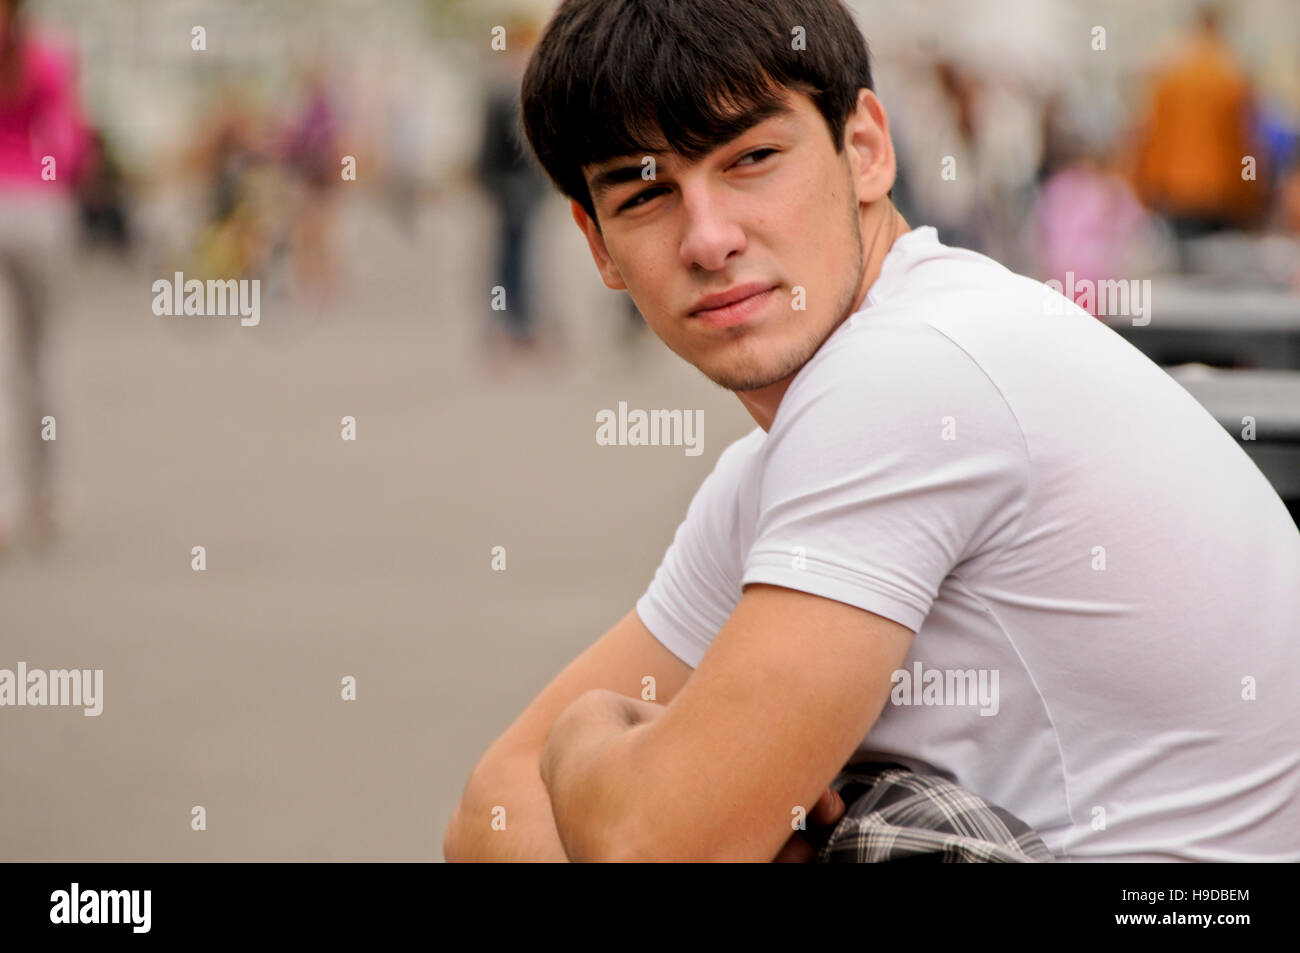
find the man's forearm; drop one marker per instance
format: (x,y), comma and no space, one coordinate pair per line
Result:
(504,815)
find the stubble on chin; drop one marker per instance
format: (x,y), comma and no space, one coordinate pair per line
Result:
(749,371)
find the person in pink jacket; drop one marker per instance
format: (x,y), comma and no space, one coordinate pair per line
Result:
(44,142)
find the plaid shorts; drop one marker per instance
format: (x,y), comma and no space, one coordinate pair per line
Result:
(894,814)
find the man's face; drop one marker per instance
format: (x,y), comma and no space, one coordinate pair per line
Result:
(774,211)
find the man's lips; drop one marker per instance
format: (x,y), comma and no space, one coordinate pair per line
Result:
(733,305)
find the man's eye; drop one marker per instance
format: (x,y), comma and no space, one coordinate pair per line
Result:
(636,200)
(755,155)
(758,155)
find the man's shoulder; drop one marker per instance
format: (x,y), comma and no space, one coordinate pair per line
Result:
(952,282)
(938,305)
(733,463)
(900,375)
(738,455)
(902,352)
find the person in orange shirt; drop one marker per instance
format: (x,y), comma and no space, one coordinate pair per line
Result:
(1190,157)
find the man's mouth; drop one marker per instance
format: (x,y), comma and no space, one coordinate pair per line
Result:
(733,306)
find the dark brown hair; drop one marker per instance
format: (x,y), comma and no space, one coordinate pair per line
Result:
(11,49)
(621,77)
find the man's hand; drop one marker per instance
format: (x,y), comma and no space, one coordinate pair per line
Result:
(571,760)
(574,730)
(822,819)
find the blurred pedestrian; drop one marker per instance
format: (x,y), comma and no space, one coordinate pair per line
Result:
(43,144)
(1197,132)
(515,185)
(1088,221)
(312,157)
(230,152)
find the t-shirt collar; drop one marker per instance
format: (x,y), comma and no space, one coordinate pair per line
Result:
(904,250)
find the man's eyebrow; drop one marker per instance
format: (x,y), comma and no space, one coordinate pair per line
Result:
(605,180)
(630,170)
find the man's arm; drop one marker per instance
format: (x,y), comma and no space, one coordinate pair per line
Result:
(509,784)
(786,692)
(578,740)
(507,776)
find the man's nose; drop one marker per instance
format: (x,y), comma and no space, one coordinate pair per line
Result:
(711,232)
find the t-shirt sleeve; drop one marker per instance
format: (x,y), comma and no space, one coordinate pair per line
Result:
(889,462)
(697,585)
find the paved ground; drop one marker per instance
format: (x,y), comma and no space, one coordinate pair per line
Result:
(325,558)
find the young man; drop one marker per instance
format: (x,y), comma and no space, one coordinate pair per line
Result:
(974,533)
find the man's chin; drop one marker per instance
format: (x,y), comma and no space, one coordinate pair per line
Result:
(749,379)
(741,385)
(752,364)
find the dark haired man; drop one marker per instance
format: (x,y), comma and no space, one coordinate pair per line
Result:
(974,533)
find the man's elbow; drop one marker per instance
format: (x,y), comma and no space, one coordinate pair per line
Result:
(453,841)
(459,843)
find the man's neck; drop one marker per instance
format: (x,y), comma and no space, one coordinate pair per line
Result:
(882,225)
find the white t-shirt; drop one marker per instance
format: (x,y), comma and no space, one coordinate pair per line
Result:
(1042,505)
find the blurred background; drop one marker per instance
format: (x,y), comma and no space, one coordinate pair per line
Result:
(142,138)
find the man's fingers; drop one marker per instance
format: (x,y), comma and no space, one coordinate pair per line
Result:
(828,809)
(825,813)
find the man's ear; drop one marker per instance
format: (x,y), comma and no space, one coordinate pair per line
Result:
(870,148)
(609,272)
